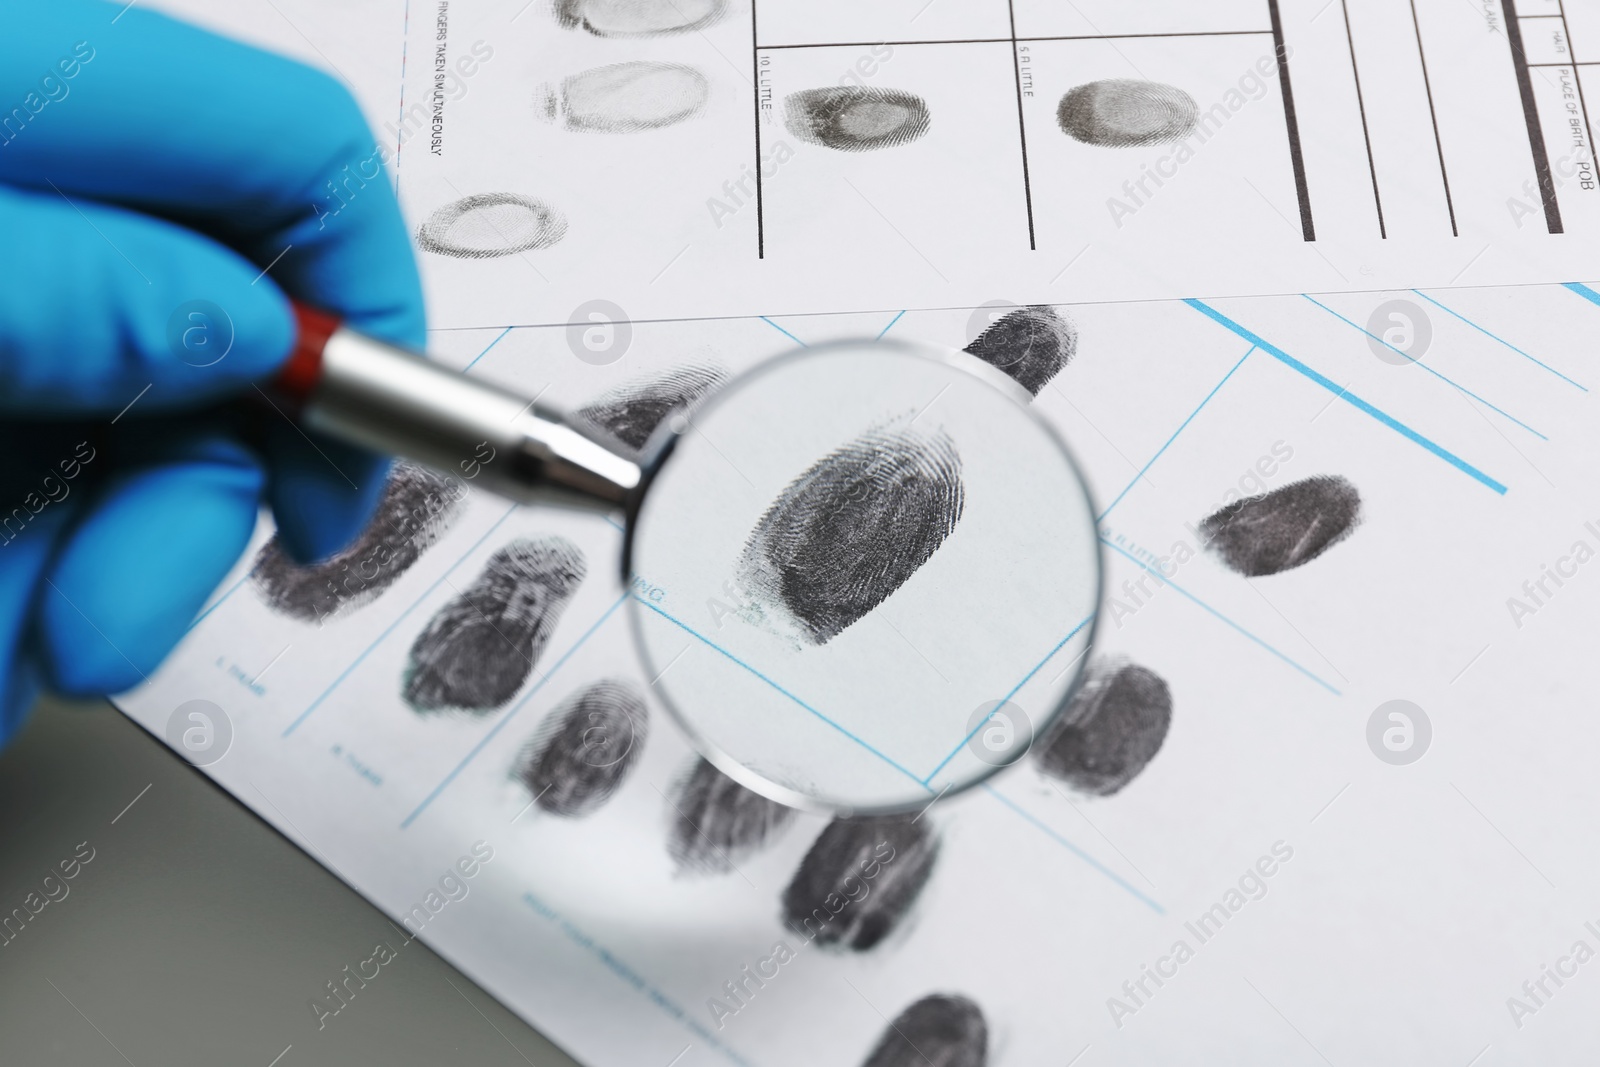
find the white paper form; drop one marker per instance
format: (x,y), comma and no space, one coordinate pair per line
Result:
(1405,907)
(1043,152)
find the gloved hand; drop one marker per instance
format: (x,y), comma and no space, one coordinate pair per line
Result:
(147,166)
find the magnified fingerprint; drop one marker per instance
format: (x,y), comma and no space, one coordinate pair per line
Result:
(627,97)
(632,411)
(1110,732)
(860,879)
(638,18)
(1280,530)
(1127,113)
(584,749)
(940,1030)
(416,509)
(486,225)
(856,118)
(477,651)
(849,531)
(716,822)
(1031,344)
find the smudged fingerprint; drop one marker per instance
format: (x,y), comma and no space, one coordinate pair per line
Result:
(1110,732)
(486,225)
(632,411)
(855,118)
(1031,344)
(416,509)
(638,18)
(1281,530)
(478,650)
(843,536)
(860,879)
(584,749)
(716,822)
(1127,113)
(626,97)
(940,1030)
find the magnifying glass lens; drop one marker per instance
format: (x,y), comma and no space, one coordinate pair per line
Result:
(865,576)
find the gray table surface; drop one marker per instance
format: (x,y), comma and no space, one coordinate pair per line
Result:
(197,934)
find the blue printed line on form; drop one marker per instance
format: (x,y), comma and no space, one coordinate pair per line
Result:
(1503,341)
(1007,698)
(1168,581)
(1583,291)
(508,716)
(1348,397)
(217,603)
(485,352)
(686,628)
(1069,846)
(781,330)
(1174,437)
(304,715)
(1418,363)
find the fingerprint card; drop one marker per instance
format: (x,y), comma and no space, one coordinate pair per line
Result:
(1329,747)
(674,159)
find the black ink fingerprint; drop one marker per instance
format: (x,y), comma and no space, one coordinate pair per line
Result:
(627,97)
(1110,732)
(632,411)
(1127,113)
(1280,530)
(849,531)
(638,18)
(856,119)
(940,1030)
(416,508)
(860,879)
(716,822)
(486,225)
(585,748)
(477,651)
(1031,344)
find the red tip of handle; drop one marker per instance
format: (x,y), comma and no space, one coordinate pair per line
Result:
(303,370)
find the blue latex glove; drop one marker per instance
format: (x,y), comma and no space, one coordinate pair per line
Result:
(145,165)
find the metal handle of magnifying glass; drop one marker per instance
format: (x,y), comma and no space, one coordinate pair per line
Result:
(392,400)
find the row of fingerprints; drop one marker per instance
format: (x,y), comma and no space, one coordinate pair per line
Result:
(477,652)
(638,96)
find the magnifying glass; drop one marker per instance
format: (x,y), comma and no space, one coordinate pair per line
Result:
(863,576)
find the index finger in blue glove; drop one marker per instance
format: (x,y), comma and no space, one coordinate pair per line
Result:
(93,302)
(265,154)
(103,308)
